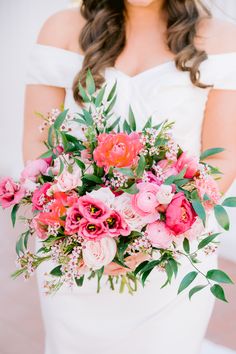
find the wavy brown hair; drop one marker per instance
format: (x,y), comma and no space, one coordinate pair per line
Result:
(103,37)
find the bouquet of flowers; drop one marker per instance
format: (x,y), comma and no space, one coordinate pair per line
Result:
(113,194)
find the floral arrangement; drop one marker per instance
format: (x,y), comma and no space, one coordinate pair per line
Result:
(114,194)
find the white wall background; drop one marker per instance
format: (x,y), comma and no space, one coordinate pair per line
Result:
(20,21)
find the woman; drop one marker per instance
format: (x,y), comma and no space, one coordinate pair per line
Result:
(171,60)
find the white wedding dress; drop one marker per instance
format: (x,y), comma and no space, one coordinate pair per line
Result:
(153,321)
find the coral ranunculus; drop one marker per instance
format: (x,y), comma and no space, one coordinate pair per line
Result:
(117,150)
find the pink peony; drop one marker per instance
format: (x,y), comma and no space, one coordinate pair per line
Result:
(180,214)
(145,202)
(73,219)
(116,224)
(209,187)
(117,150)
(93,209)
(92,230)
(97,254)
(190,162)
(11,193)
(34,169)
(67,181)
(159,235)
(40,197)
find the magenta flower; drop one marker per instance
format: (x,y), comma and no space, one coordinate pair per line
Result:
(117,225)
(11,193)
(93,209)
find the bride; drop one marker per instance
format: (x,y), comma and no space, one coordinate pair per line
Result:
(171,60)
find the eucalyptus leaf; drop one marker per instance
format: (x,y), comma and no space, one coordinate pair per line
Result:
(187,280)
(13,213)
(83,94)
(230,202)
(79,281)
(56,271)
(207,240)
(112,92)
(186,245)
(92,178)
(100,96)
(222,217)
(195,290)
(132,122)
(210,152)
(60,119)
(199,209)
(218,292)
(141,166)
(219,276)
(126,127)
(90,84)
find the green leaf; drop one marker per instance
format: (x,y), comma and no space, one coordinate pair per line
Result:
(140,267)
(20,245)
(174,266)
(87,116)
(131,190)
(60,119)
(79,281)
(47,154)
(50,136)
(13,213)
(207,240)
(199,209)
(150,265)
(126,127)
(222,217)
(186,245)
(219,276)
(112,92)
(90,84)
(61,167)
(83,94)
(132,122)
(169,272)
(92,178)
(148,123)
(118,261)
(125,171)
(26,239)
(56,271)
(145,276)
(195,290)
(187,280)
(218,292)
(111,105)
(230,202)
(113,125)
(100,96)
(80,164)
(210,152)
(100,272)
(141,166)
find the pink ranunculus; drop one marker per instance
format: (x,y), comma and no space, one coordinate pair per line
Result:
(92,230)
(159,234)
(145,201)
(97,254)
(11,193)
(40,197)
(180,214)
(209,187)
(93,209)
(116,224)
(168,169)
(73,219)
(189,162)
(68,181)
(34,169)
(117,150)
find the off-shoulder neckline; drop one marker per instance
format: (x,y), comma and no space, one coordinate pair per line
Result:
(160,66)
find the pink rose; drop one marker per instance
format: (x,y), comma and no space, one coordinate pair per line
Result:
(116,224)
(159,235)
(97,254)
(73,219)
(93,209)
(165,194)
(67,181)
(40,227)
(180,214)
(40,197)
(34,169)
(92,230)
(190,162)
(145,202)
(11,193)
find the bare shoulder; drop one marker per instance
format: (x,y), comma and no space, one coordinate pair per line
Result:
(216,36)
(62,30)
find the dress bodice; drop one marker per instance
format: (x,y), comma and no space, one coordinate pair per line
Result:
(162,91)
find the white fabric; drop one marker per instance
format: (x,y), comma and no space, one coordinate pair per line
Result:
(153,320)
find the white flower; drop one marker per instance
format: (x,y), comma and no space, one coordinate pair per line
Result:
(123,205)
(67,181)
(105,195)
(97,254)
(164,194)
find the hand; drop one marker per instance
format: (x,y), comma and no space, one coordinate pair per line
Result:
(132,262)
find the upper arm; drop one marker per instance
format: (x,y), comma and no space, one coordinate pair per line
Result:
(57,32)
